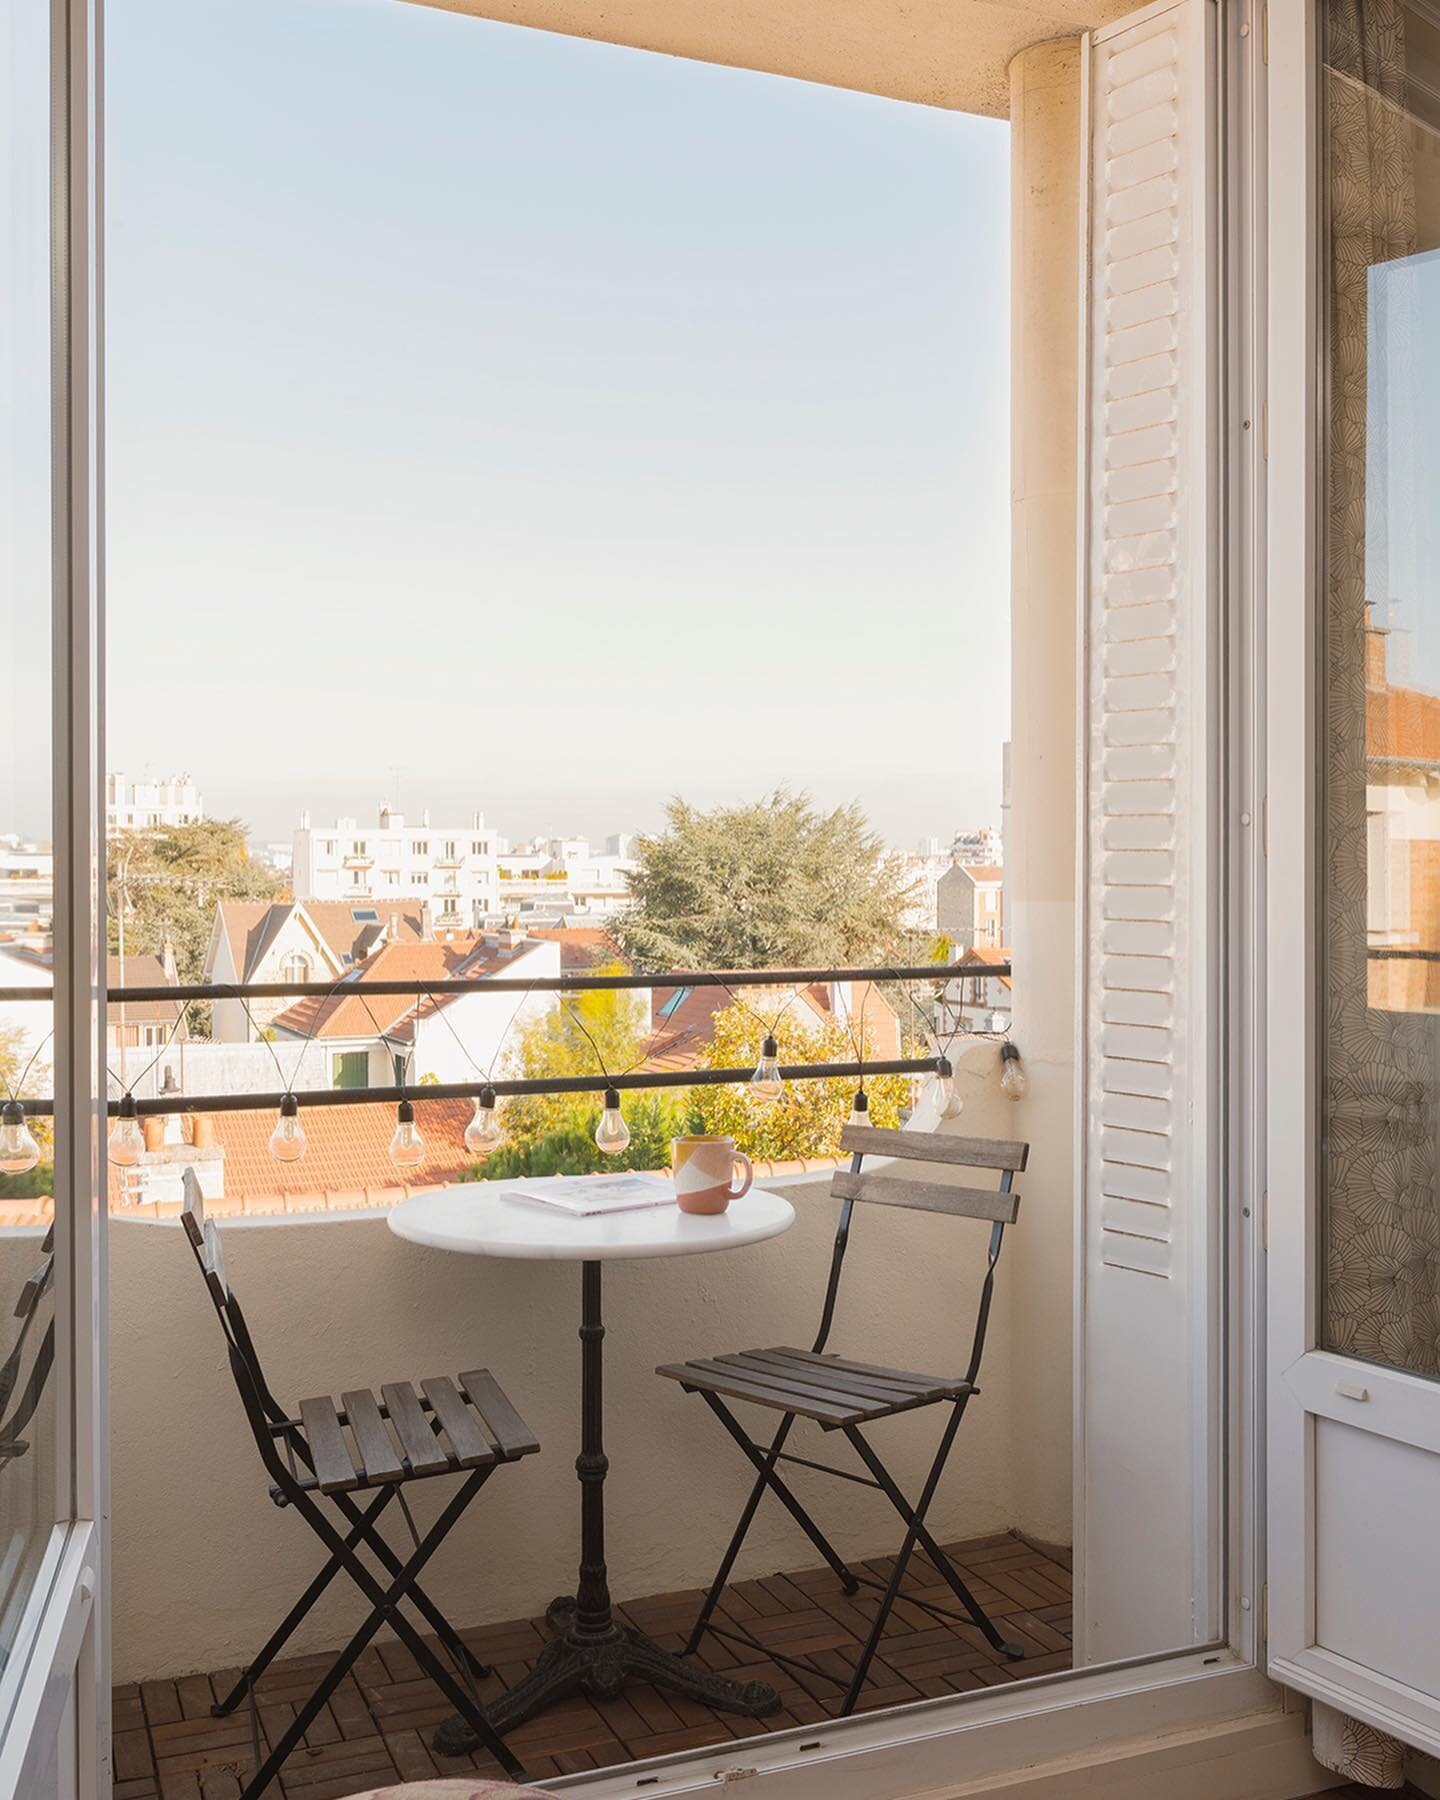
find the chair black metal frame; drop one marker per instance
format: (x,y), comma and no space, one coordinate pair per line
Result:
(840,1395)
(27,1309)
(317,1461)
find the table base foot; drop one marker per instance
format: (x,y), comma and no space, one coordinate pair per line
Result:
(599,1667)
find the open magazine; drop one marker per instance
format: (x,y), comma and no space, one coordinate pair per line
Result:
(584,1196)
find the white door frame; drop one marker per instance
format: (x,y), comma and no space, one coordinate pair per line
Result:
(1306,1383)
(1143,1728)
(54,1701)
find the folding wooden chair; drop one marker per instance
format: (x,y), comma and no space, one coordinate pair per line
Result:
(466,1426)
(27,1310)
(840,1395)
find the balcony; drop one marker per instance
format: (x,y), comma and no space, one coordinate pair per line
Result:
(334,1298)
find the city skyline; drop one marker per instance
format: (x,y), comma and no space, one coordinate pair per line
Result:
(568,428)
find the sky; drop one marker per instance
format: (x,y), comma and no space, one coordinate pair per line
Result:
(1402,449)
(502,422)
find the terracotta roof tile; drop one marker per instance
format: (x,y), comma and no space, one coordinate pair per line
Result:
(140,971)
(580,945)
(347,1152)
(345,1014)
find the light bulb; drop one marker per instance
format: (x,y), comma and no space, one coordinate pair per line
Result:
(407,1147)
(948,1104)
(18,1149)
(612,1134)
(126,1143)
(859,1109)
(767,1083)
(1013,1080)
(484,1134)
(287,1140)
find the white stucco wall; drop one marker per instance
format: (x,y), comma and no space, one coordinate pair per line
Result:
(204,1564)
(1040,841)
(476,1030)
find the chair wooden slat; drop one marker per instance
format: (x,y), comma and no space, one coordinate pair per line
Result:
(377,1452)
(744,1384)
(192,1214)
(215,1264)
(847,1381)
(334,1466)
(505,1425)
(426,1453)
(936,1147)
(460,1424)
(903,1376)
(926,1196)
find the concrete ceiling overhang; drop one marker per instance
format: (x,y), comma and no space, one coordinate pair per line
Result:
(950,53)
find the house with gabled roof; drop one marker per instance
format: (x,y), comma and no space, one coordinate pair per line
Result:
(293,940)
(374,1040)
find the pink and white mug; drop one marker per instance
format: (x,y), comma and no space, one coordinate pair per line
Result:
(704,1170)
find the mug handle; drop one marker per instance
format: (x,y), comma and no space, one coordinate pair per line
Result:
(741,1157)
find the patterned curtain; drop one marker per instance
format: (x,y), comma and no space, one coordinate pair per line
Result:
(1379,1164)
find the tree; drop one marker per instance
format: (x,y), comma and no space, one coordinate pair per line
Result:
(771,884)
(167,882)
(567,1145)
(597,1031)
(808,1120)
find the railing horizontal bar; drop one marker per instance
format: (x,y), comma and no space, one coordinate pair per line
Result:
(648,1079)
(539,984)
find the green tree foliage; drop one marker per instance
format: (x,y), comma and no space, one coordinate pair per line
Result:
(773,884)
(589,1033)
(808,1120)
(169,880)
(567,1145)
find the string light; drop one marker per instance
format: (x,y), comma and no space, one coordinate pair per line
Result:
(859,1109)
(948,1104)
(484,1134)
(407,1147)
(18,1149)
(612,1134)
(767,1083)
(1013,1079)
(287,1140)
(126,1143)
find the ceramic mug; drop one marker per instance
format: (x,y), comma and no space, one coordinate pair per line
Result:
(704,1168)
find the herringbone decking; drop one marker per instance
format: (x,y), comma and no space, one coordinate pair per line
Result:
(377,1727)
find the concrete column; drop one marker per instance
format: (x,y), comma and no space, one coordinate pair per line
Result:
(1046,274)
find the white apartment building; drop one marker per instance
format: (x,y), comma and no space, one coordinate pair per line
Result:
(563,877)
(451,866)
(983,844)
(146,805)
(27,885)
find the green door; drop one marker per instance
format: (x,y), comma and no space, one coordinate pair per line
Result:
(351,1069)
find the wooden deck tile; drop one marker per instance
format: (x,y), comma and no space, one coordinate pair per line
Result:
(378,1725)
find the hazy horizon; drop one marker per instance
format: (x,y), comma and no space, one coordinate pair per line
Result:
(504,422)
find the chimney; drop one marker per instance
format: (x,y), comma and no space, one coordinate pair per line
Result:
(425,818)
(427,921)
(305,821)
(167,962)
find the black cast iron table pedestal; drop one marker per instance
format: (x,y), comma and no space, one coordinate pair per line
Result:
(591,1653)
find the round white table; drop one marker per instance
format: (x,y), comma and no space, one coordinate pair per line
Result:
(591,1652)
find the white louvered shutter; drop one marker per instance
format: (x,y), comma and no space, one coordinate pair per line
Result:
(1146,1464)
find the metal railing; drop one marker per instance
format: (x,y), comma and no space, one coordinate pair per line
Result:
(353,982)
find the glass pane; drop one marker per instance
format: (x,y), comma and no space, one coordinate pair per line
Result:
(1381,1094)
(27,1388)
